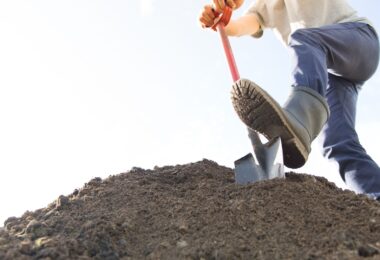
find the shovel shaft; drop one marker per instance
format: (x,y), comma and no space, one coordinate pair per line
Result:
(228,52)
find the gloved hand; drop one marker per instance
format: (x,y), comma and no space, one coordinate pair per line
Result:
(209,12)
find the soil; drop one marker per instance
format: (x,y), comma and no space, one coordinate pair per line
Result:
(196,211)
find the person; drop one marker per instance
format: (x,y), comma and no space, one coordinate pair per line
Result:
(334,52)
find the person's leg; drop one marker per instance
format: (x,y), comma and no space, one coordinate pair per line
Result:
(350,50)
(352,55)
(341,142)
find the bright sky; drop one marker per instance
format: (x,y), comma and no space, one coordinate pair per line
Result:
(92,88)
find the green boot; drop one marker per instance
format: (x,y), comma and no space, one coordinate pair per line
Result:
(298,122)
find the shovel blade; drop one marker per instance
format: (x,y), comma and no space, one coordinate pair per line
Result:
(247,171)
(269,163)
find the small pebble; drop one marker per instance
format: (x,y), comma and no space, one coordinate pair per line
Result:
(25,248)
(61,201)
(183,228)
(367,251)
(182,244)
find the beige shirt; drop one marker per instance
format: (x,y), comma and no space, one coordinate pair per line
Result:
(286,16)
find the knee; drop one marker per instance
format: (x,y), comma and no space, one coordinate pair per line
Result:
(302,37)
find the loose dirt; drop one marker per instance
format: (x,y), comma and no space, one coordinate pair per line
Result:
(196,211)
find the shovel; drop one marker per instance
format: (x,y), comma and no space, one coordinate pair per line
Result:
(268,161)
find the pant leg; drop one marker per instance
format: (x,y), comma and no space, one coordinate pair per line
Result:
(340,140)
(348,50)
(335,61)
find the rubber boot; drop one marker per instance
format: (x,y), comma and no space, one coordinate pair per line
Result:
(298,122)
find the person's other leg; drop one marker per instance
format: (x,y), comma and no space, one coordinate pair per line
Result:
(348,50)
(341,142)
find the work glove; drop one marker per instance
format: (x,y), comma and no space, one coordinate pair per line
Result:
(210,12)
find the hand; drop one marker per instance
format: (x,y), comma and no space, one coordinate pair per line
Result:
(219,5)
(209,12)
(207,16)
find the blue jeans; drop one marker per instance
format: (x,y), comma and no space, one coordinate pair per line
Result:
(335,61)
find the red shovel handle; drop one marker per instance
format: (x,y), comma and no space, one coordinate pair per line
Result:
(219,24)
(223,18)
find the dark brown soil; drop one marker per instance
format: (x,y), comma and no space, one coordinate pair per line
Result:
(195,211)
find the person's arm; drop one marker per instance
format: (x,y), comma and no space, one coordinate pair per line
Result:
(244,25)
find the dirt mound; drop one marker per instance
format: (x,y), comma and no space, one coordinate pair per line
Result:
(195,211)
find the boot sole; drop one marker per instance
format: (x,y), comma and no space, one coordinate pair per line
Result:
(260,112)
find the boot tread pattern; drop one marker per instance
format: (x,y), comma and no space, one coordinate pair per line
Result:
(261,113)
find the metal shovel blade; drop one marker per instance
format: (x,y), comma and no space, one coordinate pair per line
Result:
(269,163)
